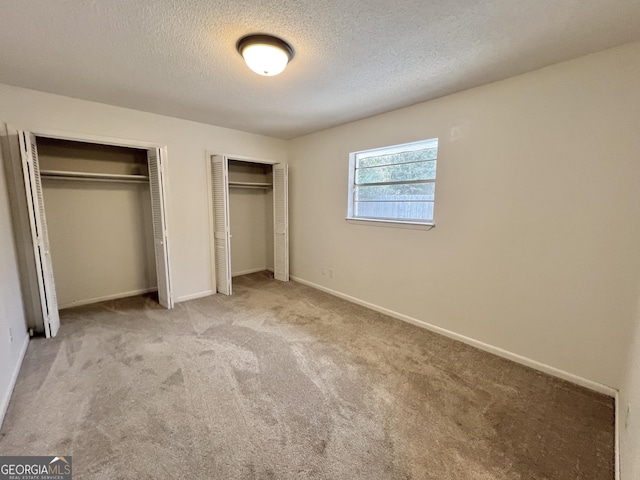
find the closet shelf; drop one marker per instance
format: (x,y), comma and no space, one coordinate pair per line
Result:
(249,185)
(86,176)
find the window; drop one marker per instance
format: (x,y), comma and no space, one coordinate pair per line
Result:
(394,184)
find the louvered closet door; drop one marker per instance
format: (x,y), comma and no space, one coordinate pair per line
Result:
(280,222)
(39,236)
(160,237)
(221,231)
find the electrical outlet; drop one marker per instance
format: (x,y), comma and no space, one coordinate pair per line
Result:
(331,273)
(10,335)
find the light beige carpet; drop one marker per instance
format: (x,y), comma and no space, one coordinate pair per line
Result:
(281,381)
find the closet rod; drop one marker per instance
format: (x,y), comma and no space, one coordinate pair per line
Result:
(251,187)
(93,177)
(99,180)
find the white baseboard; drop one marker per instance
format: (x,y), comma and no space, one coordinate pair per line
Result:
(193,296)
(247,272)
(115,296)
(4,405)
(570,377)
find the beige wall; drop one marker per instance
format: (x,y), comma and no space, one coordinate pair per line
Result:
(187,200)
(251,230)
(187,142)
(101,240)
(251,218)
(66,155)
(13,329)
(100,233)
(537,211)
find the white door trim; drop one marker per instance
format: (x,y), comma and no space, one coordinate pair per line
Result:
(15,159)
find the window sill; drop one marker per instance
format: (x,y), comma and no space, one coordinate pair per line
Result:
(390,223)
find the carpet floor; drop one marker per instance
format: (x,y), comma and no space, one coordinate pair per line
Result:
(281,381)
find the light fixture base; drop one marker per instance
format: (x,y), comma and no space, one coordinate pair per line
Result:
(255,49)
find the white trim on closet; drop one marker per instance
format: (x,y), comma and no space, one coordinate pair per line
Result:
(280,207)
(43,301)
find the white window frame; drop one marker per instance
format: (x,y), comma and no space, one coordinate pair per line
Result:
(390,150)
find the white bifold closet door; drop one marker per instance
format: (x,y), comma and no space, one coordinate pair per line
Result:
(160,237)
(221,222)
(280,223)
(221,230)
(39,237)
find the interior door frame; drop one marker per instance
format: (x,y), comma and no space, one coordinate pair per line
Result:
(207,161)
(22,222)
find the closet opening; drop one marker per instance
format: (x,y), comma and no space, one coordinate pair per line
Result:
(97,219)
(251,217)
(249,200)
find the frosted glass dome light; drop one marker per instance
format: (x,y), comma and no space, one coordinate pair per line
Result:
(264,54)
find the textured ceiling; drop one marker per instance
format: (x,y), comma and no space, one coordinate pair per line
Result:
(353,58)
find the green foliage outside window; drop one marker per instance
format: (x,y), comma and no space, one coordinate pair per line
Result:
(408,166)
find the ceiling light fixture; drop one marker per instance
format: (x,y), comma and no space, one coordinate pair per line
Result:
(264,54)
